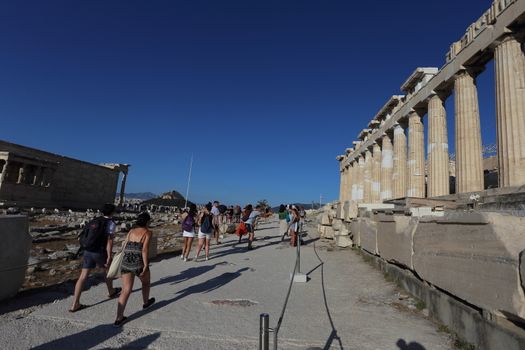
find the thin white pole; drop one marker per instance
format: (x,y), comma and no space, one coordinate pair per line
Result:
(189,179)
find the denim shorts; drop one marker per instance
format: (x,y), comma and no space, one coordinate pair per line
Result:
(94,259)
(249,227)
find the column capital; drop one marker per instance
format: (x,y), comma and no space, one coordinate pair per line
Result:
(472,71)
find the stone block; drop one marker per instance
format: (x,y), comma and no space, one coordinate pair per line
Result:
(368,235)
(339,212)
(325,219)
(336,224)
(328,232)
(375,206)
(475,257)
(14,253)
(343,241)
(394,238)
(350,211)
(355,228)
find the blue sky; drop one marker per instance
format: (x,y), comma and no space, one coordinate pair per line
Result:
(265,94)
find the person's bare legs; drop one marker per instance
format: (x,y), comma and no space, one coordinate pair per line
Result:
(109,284)
(207,248)
(145,280)
(187,247)
(127,286)
(199,247)
(79,286)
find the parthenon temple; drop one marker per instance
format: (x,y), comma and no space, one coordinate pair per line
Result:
(388,159)
(450,226)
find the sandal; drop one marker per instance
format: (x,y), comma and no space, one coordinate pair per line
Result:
(148,303)
(120,322)
(80,307)
(115,293)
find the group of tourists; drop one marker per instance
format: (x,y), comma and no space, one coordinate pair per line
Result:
(291,221)
(96,240)
(97,237)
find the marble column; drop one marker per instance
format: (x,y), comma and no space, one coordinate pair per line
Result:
(342,184)
(376,174)
(509,63)
(416,156)
(355,175)
(368,177)
(360,179)
(469,165)
(386,168)
(348,182)
(399,175)
(123,187)
(438,160)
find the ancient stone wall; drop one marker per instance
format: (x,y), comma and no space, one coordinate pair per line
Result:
(14,252)
(31,177)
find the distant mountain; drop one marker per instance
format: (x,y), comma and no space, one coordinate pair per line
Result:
(140,195)
(171,199)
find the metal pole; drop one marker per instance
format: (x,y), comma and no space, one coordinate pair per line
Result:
(298,241)
(189,179)
(264,332)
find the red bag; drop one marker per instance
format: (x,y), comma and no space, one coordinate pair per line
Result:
(241,229)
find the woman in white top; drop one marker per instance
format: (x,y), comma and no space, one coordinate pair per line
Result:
(188,227)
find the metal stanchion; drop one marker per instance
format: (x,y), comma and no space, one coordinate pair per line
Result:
(298,276)
(264,332)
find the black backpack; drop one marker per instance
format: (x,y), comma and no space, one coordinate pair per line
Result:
(222,209)
(94,237)
(206,224)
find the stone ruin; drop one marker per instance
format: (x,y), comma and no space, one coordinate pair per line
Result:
(455,223)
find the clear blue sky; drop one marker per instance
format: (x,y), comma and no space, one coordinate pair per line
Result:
(264,93)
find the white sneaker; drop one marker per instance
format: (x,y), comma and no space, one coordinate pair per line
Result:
(185,259)
(206,258)
(182,257)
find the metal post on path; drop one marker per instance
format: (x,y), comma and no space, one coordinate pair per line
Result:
(298,276)
(264,332)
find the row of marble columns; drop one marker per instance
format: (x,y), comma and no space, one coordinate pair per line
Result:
(397,169)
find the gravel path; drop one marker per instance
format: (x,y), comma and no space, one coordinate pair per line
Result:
(346,304)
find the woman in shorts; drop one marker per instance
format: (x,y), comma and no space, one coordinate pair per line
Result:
(135,263)
(294,226)
(188,231)
(205,230)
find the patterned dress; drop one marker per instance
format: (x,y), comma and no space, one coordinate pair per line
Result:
(132,260)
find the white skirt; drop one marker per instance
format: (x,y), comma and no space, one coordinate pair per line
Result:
(204,235)
(188,234)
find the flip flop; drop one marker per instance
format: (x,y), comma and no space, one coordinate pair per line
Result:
(80,307)
(120,322)
(148,303)
(115,293)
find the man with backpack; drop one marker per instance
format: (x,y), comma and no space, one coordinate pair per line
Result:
(96,241)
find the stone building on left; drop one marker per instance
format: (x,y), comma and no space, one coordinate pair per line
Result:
(33,178)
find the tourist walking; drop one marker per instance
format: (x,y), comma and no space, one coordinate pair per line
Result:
(283,221)
(135,263)
(254,214)
(294,226)
(237,214)
(216,221)
(96,241)
(205,231)
(188,230)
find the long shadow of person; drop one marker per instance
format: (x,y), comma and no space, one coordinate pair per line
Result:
(83,340)
(203,287)
(140,343)
(402,345)
(186,274)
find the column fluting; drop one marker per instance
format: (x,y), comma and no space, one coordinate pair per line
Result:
(438,159)
(399,175)
(416,157)
(386,168)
